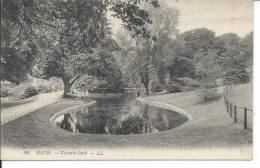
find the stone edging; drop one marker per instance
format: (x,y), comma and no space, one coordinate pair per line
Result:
(71,109)
(165,106)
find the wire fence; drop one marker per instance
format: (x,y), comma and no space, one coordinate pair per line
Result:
(239,114)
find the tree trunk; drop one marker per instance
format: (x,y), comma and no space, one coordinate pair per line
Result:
(67,85)
(146,86)
(146,89)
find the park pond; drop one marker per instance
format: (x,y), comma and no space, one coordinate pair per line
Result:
(120,115)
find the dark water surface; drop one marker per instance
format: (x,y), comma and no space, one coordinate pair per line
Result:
(120,115)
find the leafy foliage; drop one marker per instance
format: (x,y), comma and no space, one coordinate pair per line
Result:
(133,17)
(237,75)
(209,95)
(65,39)
(181,67)
(18,42)
(30,91)
(199,39)
(13,66)
(44,89)
(6,88)
(235,59)
(173,87)
(133,124)
(24,90)
(157,88)
(149,57)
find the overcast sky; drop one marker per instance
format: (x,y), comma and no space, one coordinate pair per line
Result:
(221,16)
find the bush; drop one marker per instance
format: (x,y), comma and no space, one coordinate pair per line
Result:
(209,95)
(157,88)
(172,88)
(183,84)
(188,82)
(30,91)
(24,90)
(18,90)
(55,84)
(6,88)
(209,85)
(132,125)
(237,76)
(44,89)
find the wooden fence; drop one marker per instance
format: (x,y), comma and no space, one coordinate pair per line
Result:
(240,115)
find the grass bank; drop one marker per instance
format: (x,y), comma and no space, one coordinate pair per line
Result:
(209,127)
(12,101)
(242,95)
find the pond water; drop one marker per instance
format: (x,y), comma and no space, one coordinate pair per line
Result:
(120,115)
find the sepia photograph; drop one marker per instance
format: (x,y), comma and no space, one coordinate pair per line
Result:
(127,79)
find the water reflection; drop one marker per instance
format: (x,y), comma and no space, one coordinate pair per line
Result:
(120,116)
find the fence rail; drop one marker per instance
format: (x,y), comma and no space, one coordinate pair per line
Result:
(239,114)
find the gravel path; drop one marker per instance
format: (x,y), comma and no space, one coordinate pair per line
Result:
(14,112)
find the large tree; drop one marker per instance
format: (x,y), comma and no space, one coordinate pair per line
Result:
(79,39)
(235,58)
(248,43)
(203,49)
(18,38)
(148,57)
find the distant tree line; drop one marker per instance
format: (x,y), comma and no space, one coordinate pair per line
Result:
(197,55)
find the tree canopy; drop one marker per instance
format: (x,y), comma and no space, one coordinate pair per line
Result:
(70,39)
(66,38)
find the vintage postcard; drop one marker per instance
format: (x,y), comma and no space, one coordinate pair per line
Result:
(126,79)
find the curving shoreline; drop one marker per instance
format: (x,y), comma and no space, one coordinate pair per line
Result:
(208,126)
(165,106)
(71,109)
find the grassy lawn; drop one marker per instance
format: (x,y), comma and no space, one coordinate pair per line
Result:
(209,127)
(12,101)
(242,95)
(210,124)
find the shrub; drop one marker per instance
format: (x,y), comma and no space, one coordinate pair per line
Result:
(157,88)
(188,82)
(44,89)
(24,90)
(132,125)
(172,88)
(18,90)
(6,88)
(183,84)
(209,85)
(209,95)
(56,84)
(237,76)
(103,86)
(30,91)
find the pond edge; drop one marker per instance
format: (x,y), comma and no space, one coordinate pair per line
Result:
(164,106)
(71,109)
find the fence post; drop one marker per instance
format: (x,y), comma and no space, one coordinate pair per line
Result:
(227,104)
(225,101)
(245,118)
(235,114)
(230,111)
